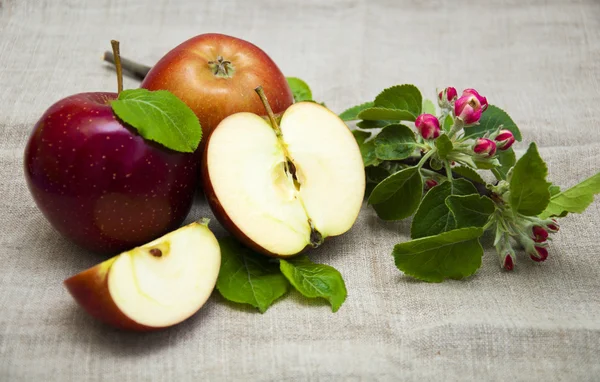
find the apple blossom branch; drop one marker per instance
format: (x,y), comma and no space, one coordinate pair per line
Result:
(138,70)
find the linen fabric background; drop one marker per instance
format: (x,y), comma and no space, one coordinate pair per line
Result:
(539,60)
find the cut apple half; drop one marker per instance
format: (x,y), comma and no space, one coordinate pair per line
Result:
(153,286)
(283,188)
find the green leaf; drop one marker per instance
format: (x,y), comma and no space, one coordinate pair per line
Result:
(454,254)
(486,163)
(469,173)
(300,89)
(448,123)
(374,175)
(507,159)
(315,280)
(397,196)
(377,113)
(553,190)
(470,210)
(444,146)
(374,124)
(395,142)
(249,278)
(352,113)
(401,97)
(367,149)
(574,200)
(491,119)
(434,216)
(529,194)
(161,117)
(429,107)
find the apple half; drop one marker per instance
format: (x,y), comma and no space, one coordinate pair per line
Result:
(283,189)
(153,286)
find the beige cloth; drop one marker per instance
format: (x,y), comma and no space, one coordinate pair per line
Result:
(539,60)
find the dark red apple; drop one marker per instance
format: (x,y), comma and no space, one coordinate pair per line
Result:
(99,183)
(215,75)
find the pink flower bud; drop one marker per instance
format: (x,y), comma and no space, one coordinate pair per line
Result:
(541,254)
(553,227)
(430,183)
(428,126)
(468,109)
(508,262)
(482,100)
(505,139)
(449,94)
(539,234)
(485,147)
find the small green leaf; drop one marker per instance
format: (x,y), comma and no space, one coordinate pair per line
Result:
(574,200)
(448,123)
(398,196)
(490,120)
(454,254)
(468,173)
(401,97)
(507,159)
(434,216)
(429,107)
(470,210)
(486,163)
(554,189)
(529,194)
(367,149)
(161,117)
(249,278)
(377,113)
(444,146)
(315,280)
(300,89)
(395,142)
(374,124)
(352,113)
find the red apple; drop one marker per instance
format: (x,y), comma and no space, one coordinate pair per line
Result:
(215,75)
(99,183)
(153,286)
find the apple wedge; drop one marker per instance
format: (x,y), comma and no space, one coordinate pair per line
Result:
(153,286)
(282,189)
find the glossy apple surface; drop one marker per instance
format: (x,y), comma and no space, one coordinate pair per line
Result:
(216,90)
(99,183)
(153,286)
(274,210)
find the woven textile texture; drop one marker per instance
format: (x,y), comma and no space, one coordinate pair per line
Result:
(539,60)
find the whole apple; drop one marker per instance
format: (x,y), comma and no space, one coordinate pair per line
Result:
(99,183)
(215,75)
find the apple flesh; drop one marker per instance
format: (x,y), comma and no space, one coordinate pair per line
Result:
(215,75)
(101,184)
(282,194)
(154,286)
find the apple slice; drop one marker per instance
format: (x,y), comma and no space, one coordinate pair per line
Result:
(153,286)
(280,190)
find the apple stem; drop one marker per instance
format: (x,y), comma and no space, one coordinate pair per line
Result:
(117,57)
(261,93)
(139,71)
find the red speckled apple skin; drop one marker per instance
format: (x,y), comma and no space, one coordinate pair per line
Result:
(99,183)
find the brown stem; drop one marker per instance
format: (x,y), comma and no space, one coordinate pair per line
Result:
(139,71)
(117,57)
(481,187)
(261,93)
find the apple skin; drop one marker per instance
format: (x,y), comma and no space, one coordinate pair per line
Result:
(185,72)
(90,289)
(99,183)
